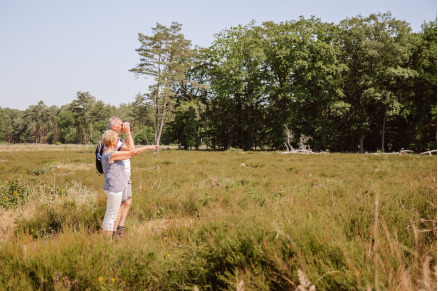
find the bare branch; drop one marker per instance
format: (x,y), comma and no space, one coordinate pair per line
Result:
(428,152)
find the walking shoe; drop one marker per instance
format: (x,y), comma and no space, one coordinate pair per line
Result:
(121,232)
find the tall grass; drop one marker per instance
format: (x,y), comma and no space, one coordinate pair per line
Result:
(225,220)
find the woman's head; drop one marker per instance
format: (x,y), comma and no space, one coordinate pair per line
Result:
(108,137)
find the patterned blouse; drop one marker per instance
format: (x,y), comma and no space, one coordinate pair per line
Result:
(114,174)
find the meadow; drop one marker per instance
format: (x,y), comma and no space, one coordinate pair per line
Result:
(230,220)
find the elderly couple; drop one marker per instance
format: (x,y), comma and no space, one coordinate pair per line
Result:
(117,173)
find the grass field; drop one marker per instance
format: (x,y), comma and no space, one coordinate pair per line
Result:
(229,220)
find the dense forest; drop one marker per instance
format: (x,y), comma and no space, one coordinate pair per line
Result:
(364,84)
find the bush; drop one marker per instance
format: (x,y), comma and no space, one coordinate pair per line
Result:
(59,207)
(65,214)
(12,194)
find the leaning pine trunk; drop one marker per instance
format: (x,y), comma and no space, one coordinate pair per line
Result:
(156,119)
(161,124)
(157,111)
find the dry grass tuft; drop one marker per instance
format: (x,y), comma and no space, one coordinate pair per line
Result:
(158,226)
(200,220)
(305,284)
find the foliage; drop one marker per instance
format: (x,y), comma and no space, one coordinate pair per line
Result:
(165,56)
(367,83)
(144,135)
(186,125)
(13,194)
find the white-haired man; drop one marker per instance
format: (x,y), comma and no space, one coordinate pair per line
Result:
(116,124)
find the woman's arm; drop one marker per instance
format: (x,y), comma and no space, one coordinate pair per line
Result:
(123,155)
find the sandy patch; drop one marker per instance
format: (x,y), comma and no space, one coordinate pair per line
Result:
(74,167)
(42,147)
(157,226)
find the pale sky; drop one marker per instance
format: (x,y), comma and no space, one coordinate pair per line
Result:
(50,49)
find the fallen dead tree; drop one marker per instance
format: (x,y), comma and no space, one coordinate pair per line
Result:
(403,152)
(428,153)
(303,147)
(300,152)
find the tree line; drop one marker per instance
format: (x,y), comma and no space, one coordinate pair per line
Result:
(366,83)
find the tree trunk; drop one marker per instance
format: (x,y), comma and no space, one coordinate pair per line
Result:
(156,118)
(161,124)
(157,111)
(361,143)
(383,132)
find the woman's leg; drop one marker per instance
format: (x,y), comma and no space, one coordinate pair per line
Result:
(112,210)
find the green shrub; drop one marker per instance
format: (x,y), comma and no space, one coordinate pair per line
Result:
(275,223)
(12,194)
(52,218)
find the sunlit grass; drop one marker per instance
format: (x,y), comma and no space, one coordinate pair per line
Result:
(217,219)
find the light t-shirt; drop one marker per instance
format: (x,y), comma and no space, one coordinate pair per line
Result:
(127,162)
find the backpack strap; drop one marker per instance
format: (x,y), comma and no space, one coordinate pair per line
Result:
(121,144)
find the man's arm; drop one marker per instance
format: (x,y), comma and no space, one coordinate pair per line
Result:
(128,144)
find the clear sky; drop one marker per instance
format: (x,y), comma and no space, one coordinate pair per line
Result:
(50,49)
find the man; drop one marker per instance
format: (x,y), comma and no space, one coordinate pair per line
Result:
(116,124)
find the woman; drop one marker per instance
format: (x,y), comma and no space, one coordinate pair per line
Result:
(114,173)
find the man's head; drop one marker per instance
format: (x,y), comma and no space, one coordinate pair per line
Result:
(116,124)
(108,137)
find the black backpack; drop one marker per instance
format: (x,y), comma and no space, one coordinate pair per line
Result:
(99,152)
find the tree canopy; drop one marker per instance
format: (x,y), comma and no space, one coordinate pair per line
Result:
(367,83)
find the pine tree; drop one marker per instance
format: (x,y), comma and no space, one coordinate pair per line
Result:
(165,56)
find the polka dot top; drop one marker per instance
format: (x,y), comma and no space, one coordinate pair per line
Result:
(114,174)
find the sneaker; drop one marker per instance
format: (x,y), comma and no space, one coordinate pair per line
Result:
(121,232)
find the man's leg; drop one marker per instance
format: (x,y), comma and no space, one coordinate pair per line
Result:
(124,209)
(119,215)
(124,212)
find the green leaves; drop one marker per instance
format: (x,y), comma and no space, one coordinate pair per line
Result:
(166,56)
(367,80)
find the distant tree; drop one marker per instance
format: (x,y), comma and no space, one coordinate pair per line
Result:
(66,125)
(303,71)
(14,125)
(142,110)
(236,100)
(186,125)
(144,135)
(420,107)
(81,108)
(36,121)
(165,56)
(52,129)
(376,50)
(98,118)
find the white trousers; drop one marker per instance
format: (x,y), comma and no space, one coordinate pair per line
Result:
(112,209)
